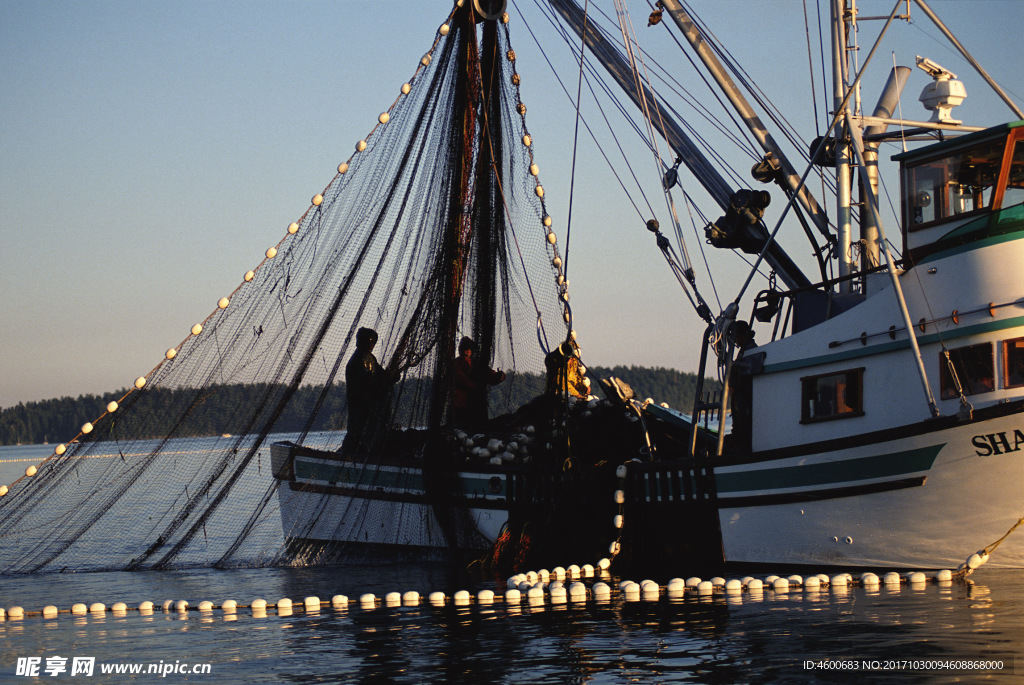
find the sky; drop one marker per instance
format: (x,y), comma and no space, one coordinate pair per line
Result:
(151,152)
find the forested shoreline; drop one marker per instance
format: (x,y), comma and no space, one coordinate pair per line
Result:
(218,407)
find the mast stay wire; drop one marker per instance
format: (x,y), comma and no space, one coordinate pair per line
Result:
(575,139)
(668,79)
(586,124)
(681,92)
(814,89)
(603,85)
(629,39)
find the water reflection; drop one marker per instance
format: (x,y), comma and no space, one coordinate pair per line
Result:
(721,637)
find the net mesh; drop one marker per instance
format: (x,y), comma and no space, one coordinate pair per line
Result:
(435,231)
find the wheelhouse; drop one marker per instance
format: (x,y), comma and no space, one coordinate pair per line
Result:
(963,191)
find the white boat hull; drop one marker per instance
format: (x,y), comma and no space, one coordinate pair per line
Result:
(927,500)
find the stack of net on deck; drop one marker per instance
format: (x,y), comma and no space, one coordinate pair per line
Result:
(426,235)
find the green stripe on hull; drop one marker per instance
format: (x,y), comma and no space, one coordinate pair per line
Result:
(830,473)
(410,480)
(346,475)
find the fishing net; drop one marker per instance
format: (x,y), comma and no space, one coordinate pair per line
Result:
(434,230)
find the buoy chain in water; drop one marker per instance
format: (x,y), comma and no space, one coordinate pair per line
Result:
(533,587)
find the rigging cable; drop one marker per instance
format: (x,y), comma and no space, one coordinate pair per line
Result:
(575,136)
(600,148)
(664,245)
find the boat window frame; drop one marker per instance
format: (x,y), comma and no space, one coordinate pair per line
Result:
(948,389)
(1002,142)
(809,389)
(1018,358)
(1014,144)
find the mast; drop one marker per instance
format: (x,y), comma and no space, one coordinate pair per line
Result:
(844,175)
(870,257)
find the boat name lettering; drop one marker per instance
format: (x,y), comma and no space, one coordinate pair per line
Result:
(998,443)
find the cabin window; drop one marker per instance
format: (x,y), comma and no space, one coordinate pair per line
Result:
(949,187)
(973,367)
(1013,363)
(832,396)
(1014,193)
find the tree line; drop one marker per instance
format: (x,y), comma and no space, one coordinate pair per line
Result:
(227,408)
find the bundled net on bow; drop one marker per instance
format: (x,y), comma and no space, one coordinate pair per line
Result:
(433,231)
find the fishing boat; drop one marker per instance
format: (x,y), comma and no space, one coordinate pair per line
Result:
(883,428)
(880,424)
